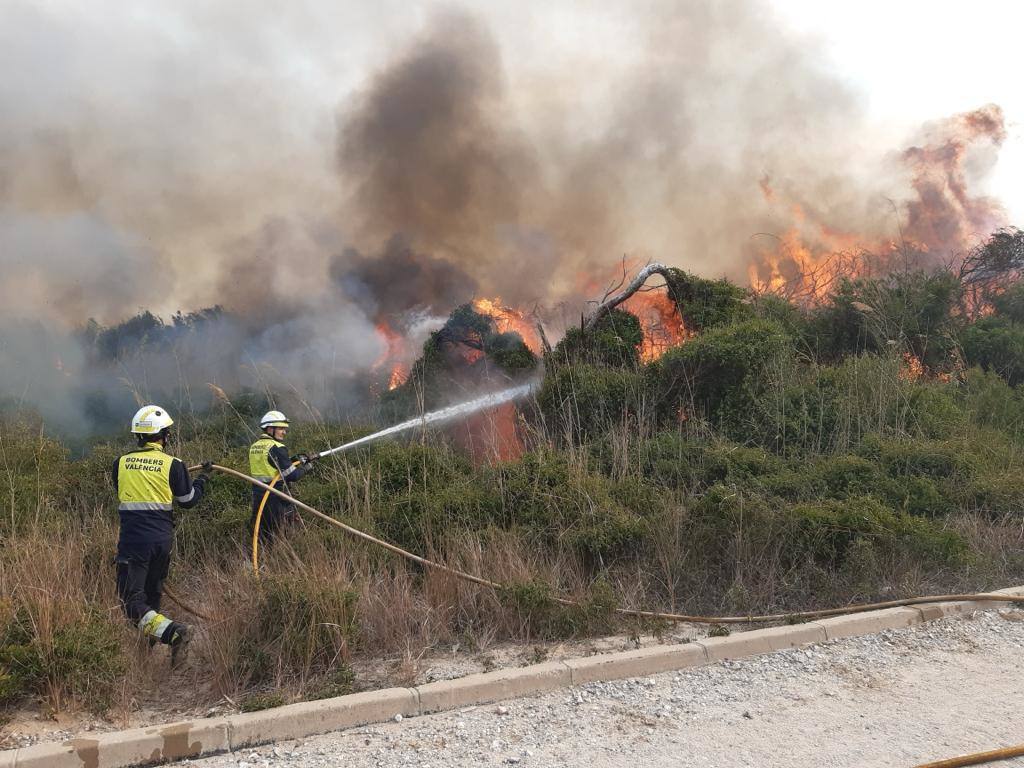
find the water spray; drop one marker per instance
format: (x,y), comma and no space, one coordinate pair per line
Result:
(436,417)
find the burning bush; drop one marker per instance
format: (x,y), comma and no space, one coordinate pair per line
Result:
(468,350)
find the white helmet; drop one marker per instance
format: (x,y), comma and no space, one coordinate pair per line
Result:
(273,419)
(150,420)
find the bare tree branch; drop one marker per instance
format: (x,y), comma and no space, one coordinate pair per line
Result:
(545,344)
(610,303)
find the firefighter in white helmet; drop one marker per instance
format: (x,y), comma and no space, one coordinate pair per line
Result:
(268,457)
(148,482)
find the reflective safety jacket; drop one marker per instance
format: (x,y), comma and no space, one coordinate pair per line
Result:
(148,482)
(267,457)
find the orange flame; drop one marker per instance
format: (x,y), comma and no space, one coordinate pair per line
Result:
(662,326)
(942,217)
(508,319)
(394,350)
(398,376)
(912,368)
(804,262)
(491,436)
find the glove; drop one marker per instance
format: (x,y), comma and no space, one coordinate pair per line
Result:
(302,458)
(201,481)
(207,466)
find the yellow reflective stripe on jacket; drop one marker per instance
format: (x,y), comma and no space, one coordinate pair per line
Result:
(144,479)
(259,458)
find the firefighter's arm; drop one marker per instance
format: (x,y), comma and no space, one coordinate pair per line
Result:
(289,470)
(187,492)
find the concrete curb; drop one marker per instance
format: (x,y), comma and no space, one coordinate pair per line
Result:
(204,737)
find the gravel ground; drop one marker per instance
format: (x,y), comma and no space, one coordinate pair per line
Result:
(898,698)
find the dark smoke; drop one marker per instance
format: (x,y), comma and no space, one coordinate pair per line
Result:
(399,280)
(191,155)
(425,151)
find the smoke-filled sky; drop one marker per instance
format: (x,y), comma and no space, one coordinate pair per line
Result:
(318,167)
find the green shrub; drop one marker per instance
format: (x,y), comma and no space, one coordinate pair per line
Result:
(395,467)
(583,401)
(340,681)
(904,457)
(544,617)
(82,660)
(558,503)
(259,701)
(719,373)
(418,519)
(37,471)
(825,531)
(996,344)
(990,402)
(301,625)
(705,304)
(933,411)
(672,460)
(614,341)
(997,494)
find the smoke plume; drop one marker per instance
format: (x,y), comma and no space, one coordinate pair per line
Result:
(318,174)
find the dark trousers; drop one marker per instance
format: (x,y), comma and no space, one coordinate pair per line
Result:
(278,515)
(141,570)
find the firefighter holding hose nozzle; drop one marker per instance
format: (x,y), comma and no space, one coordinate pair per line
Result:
(148,482)
(270,463)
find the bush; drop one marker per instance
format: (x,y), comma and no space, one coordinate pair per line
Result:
(614,341)
(81,660)
(301,624)
(259,701)
(581,401)
(990,402)
(996,344)
(705,304)
(463,351)
(418,519)
(910,311)
(719,373)
(560,504)
(544,617)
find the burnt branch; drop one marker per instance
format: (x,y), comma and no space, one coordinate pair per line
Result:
(611,302)
(545,344)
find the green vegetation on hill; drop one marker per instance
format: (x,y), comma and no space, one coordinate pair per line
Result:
(785,457)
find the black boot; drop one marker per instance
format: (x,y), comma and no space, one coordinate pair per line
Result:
(178,637)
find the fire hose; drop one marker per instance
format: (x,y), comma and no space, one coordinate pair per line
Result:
(978,758)
(636,613)
(269,488)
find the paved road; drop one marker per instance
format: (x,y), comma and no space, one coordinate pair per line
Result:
(894,699)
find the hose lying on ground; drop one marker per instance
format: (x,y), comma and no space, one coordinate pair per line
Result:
(978,758)
(183,605)
(775,617)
